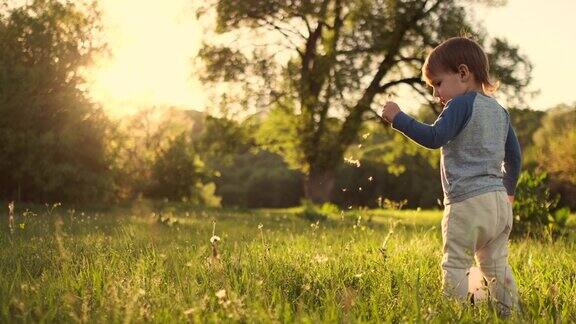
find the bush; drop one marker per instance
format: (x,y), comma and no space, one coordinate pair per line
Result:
(533,206)
(314,213)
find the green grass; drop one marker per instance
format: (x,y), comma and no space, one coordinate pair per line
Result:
(125,266)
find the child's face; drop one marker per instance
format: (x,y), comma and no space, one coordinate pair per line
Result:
(448,85)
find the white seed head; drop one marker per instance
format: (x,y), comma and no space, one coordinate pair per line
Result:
(214,239)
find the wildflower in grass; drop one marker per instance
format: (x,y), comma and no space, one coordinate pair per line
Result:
(365,135)
(260,228)
(11,216)
(50,209)
(384,248)
(214,241)
(189,311)
(222,298)
(315,226)
(320,258)
(221,294)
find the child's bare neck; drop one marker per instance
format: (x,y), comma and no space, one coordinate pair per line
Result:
(477,88)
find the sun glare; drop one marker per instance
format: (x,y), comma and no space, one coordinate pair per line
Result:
(151,46)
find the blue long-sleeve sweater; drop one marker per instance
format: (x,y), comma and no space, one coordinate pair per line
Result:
(480,151)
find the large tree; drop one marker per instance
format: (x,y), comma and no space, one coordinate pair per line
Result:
(323,67)
(51,135)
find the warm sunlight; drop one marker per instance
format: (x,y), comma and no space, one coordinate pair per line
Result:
(151,45)
(544,31)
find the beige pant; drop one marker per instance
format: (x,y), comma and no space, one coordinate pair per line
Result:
(479,227)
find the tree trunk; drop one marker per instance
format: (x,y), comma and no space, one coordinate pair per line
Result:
(318,186)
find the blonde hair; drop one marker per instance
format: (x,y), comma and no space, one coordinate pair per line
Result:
(448,56)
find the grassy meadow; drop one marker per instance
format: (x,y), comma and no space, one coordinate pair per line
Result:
(156,263)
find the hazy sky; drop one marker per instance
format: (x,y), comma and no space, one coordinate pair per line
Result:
(545,31)
(152,44)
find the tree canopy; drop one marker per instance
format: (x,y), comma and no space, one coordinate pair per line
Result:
(324,66)
(52,136)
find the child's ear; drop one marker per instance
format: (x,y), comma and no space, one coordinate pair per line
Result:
(463,72)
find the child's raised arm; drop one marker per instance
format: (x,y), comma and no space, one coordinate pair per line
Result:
(448,125)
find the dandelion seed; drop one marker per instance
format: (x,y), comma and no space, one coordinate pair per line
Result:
(359,188)
(365,136)
(260,226)
(344,189)
(370,178)
(359,145)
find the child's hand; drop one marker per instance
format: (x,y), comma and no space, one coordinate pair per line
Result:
(511,199)
(391,109)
